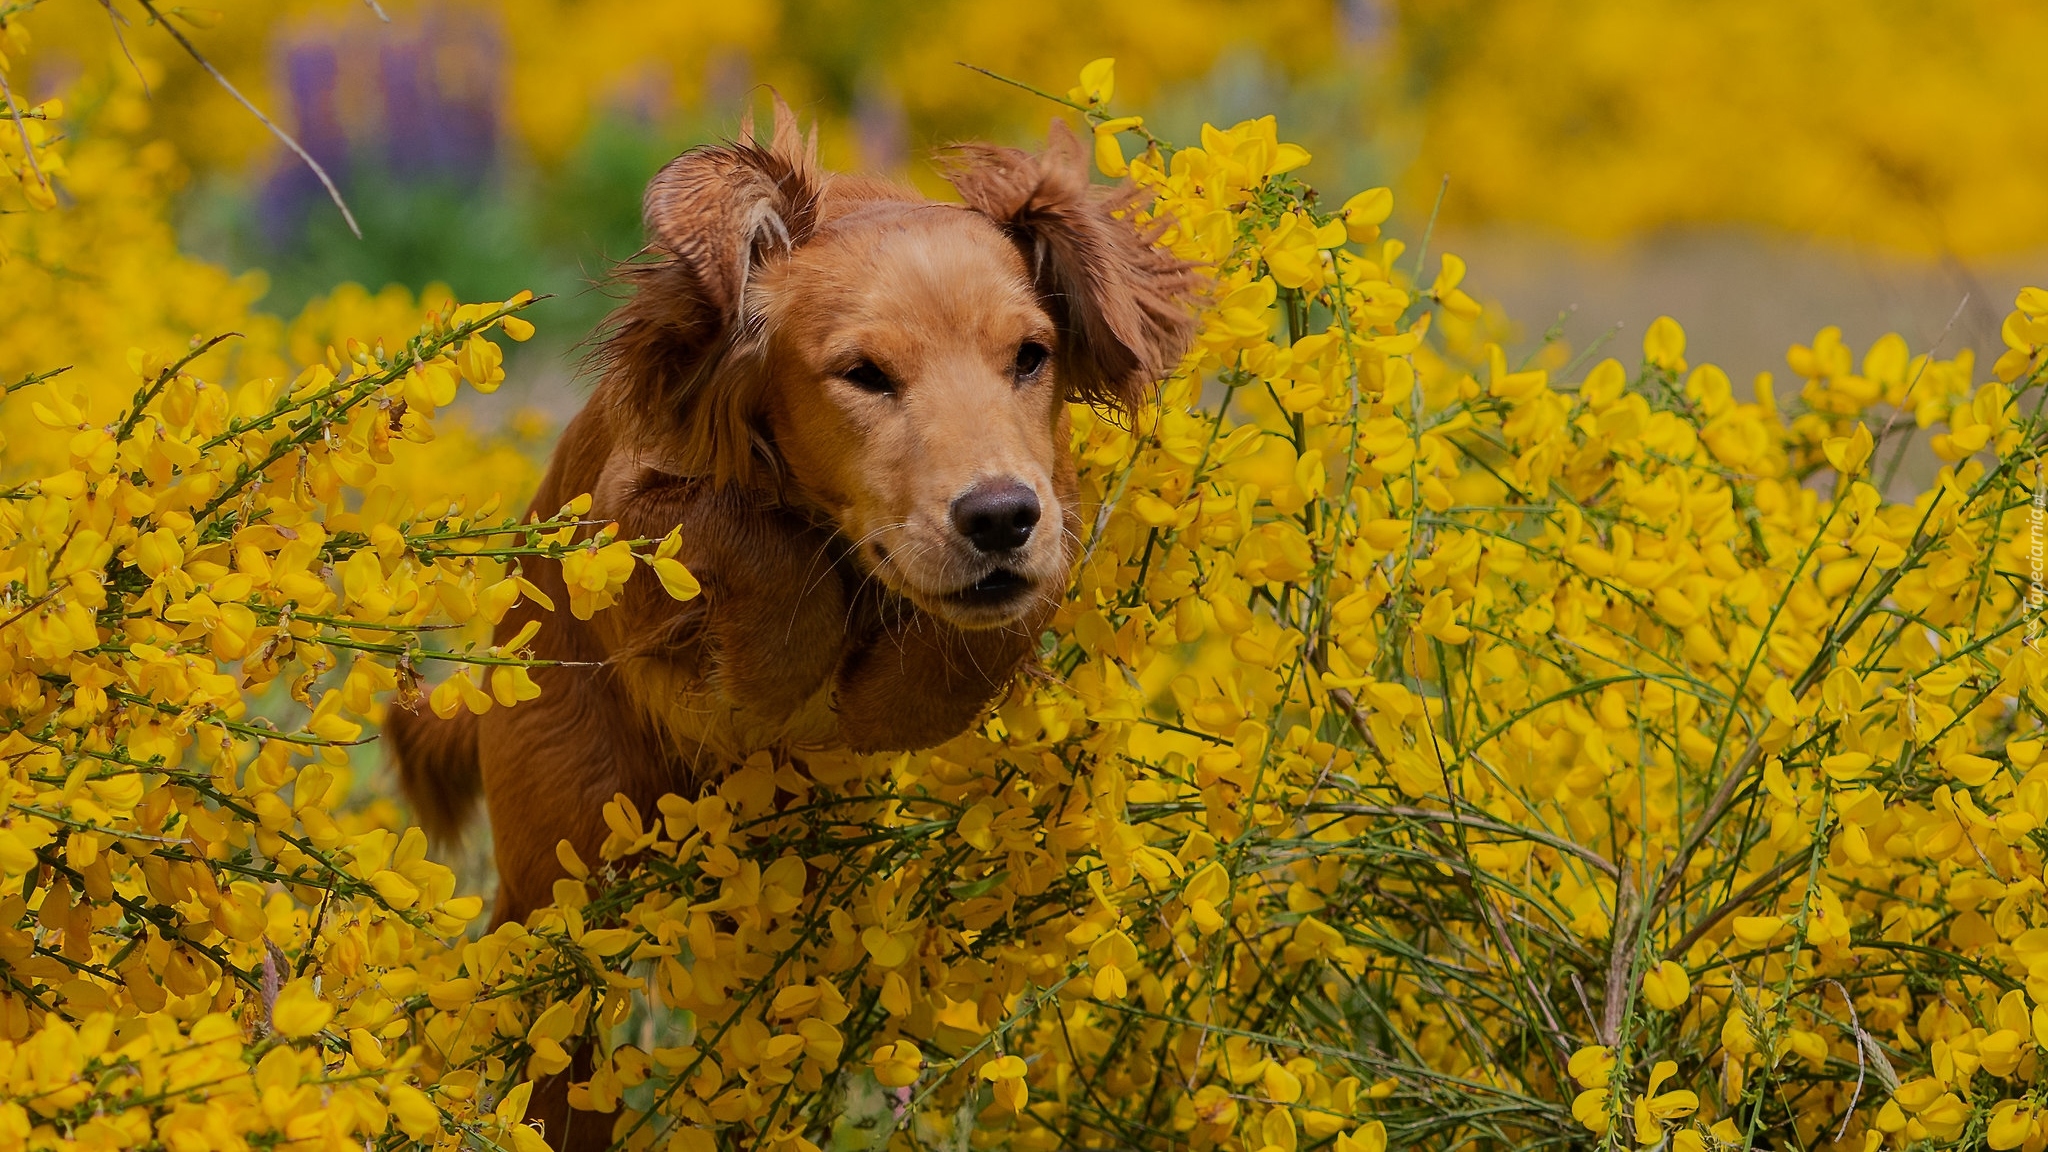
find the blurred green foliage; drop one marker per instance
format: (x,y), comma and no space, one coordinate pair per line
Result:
(555,231)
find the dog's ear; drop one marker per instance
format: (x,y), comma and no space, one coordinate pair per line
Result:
(722,211)
(1123,304)
(675,354)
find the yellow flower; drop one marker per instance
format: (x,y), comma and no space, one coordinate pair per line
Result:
(675,579)
(1591,1066)
(1438,620)
(1205,893)
(1007,1074)
(1098,83)
(1849,454)
(1652,1108)
(1112,956)
(299,1011)
(1368,1137)
(1590,1109)
(596,574)
(1365,212)
(414,1112)
(1291,253)
(1664,344)
(2013,1123)
(1446,291)
(896,1065)
(1666,986)
(1757,931)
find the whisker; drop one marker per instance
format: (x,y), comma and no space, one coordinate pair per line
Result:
(853,550)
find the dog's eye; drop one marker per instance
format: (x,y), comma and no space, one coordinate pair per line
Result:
(1030,358)
(868,378)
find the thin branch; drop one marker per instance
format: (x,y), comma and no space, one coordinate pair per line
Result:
(1359,723)
(1435,816)
(1749,892)
(1892,469)
(32,378)
(28,148)
(1429,230)
(32,605)
(333,193)
(1717,807)
(1621,957)
(115,18)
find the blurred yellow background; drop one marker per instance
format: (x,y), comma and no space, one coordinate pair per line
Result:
(1761,168)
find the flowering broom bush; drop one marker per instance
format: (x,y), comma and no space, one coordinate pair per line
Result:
(1433,750)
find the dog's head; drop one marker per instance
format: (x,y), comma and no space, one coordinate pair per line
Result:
(898,366)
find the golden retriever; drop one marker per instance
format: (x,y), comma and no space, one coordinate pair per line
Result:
(852,401)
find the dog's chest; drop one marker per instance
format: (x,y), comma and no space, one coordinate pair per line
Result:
(701,724)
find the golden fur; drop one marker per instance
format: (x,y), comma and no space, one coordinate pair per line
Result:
(828,382)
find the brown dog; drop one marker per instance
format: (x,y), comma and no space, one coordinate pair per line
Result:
(852,400)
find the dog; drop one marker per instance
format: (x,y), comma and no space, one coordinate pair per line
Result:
(851,400)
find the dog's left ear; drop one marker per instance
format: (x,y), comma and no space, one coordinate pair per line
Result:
(1123,305)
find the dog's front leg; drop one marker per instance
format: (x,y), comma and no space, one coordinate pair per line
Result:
(769,627)
(921,681)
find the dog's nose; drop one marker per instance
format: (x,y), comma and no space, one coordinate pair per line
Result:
(996,515)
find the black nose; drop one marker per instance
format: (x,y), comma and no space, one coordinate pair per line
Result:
(996,515)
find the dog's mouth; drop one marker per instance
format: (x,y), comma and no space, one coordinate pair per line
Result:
(1001,587)
(994,599)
